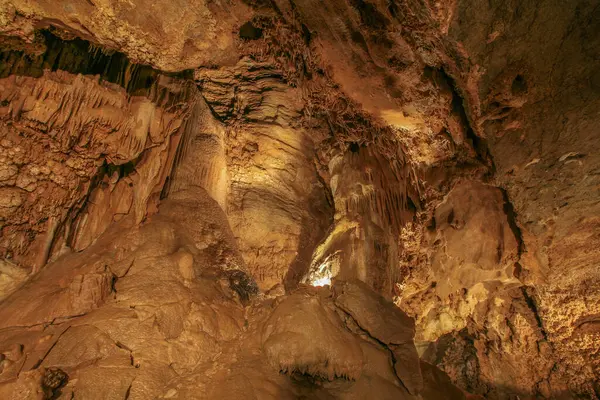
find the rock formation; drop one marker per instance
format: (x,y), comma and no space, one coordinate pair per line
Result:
(299,199)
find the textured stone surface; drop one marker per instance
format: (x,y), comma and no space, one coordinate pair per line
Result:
(79,153)
(388,325)
(170,35)
(271,172)
(168,169)
(468,300)
(303,337)
(160,334)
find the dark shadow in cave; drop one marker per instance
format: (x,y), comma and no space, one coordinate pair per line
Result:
(79,56)
(445,82)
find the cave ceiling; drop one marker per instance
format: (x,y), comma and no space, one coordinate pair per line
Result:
(275,199)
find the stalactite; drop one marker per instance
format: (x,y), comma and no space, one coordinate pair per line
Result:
(83,102)
(390,181)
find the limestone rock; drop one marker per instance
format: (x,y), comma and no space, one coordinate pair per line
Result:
(173,174)
(388,325)
(304,337)
(11,276)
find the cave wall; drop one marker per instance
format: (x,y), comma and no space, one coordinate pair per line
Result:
(442,153)
(81,150)
(537,102)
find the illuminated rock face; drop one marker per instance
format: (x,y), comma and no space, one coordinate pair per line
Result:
(292,199)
